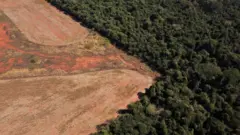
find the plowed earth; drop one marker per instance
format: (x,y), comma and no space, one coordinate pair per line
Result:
(41,23)
(60,90)
(66,105)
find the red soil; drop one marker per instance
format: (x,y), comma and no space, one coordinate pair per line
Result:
(4,40)
(63,62)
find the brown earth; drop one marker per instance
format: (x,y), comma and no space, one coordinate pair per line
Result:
(42,23)
(60,87)
(66,105)
(16,53)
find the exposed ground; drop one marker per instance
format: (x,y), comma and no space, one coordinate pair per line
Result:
(64,86)
(43,24)
(68,105)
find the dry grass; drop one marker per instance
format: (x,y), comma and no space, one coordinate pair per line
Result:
(18,73)
(93,43)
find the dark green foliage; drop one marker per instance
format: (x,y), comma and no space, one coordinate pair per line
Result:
(194,44)
(208,71)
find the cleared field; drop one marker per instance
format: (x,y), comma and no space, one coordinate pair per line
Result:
(70,105)
(43,24)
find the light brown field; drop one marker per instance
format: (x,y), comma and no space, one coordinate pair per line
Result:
(42,23)
(69,105)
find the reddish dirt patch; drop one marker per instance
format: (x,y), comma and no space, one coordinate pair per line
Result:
(66,62)
(5,65)
(88,62)
(42,23)
(67,105)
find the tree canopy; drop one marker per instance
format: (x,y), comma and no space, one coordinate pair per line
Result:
(194,44)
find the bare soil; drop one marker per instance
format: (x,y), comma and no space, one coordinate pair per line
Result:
(66,105)
(42,23)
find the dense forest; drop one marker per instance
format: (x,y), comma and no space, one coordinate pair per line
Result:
(194,44)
